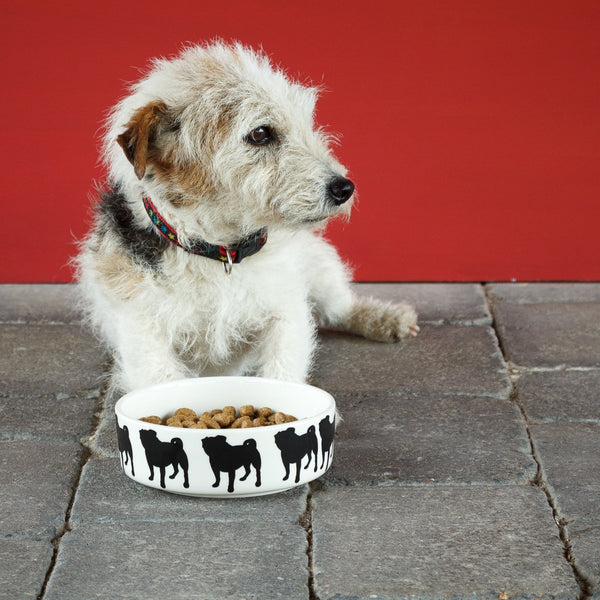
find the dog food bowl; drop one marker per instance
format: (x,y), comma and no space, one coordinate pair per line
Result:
(226,462)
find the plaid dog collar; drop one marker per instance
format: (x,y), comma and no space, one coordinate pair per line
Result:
(228,255)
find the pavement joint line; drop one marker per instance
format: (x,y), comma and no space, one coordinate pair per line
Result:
(539,481)
(482,322)
(518,370)
(305,520)
(86,454)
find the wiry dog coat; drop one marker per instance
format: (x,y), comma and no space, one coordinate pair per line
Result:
(214,157)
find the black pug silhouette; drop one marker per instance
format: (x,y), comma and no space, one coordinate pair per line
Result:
(124,446)
(327,431)
(162,454)
(295,447)
(227,458)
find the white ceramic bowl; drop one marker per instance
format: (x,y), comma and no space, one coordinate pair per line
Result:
(233,462)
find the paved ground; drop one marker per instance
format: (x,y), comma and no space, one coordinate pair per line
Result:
(468,465)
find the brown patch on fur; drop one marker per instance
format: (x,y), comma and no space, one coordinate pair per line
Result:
(185,183)
(119,274)
(138,138)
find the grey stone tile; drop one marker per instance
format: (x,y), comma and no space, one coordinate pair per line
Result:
(441,360)
(45,359)
(561,395)
(52,416)
(38,477)
(437,542)
(182,561)
(550,334)
(570,457)
(24,566)
(536,293)
(407,439)
(586,551)
(35,303)
(463,303)
(104,441)
(106,495)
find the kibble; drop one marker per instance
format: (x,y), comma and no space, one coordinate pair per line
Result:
(223,418)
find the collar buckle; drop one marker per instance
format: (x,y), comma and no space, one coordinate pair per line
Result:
(228,264)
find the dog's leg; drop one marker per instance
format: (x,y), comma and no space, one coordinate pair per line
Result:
(151,478)
(256,465)
(162,476)
(287,470)
(309,453)
(231,481)
(175,470)
(298,465)
(380,321)
(217,474)
(131,455)
(145,356)
(287,344)
(336,305)
(247,469)
(183,461)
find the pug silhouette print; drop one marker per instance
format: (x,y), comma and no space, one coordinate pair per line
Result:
(228,459)
(163,454)
(295,447)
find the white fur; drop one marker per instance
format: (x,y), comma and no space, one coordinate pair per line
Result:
(188,317)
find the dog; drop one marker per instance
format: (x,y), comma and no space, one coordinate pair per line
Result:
(124,444)
(227,458)
(207,254)
(326,431)
(295,447)
(162,454)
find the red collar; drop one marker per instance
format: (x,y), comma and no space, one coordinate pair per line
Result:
(227,254)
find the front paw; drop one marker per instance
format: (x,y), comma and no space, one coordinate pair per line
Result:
(383,322)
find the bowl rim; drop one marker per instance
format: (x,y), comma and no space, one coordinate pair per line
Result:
(191,381)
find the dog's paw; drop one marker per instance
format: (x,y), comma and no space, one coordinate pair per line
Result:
(383,322)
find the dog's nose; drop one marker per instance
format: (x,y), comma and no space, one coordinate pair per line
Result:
(339,190)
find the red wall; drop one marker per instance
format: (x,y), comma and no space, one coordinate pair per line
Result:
(472,129)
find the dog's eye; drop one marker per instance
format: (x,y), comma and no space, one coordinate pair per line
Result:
(260,136)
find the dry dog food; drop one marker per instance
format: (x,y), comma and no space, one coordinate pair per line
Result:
(223,418)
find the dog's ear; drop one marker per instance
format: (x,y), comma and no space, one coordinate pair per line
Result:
(137,140)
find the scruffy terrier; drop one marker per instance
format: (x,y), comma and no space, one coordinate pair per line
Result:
(206,257)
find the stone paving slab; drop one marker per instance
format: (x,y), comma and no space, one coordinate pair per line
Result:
(49,417)
(441,360)
(38,478)
(570,457)
(182,560)
(106,495)
(561,395)
(43,359)
(39,303)
(436,303)
(437,543)
(24,566)
(410,439)
(539,328)
(536,293)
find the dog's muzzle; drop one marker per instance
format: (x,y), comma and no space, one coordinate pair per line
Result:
(340,190)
